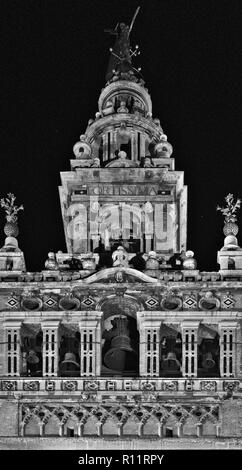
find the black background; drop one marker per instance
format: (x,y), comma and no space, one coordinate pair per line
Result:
(54,55)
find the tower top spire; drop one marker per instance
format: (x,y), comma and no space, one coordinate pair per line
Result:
(120,63)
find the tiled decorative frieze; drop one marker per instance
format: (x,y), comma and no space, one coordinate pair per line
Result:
(50,385)
(145,386)
(170,386)
(208,385)
(231,385)
(151,302)
(189,385)
(50,303)
(189,302)
(31,385)
(91,385)
(148,385)
(12,302)
(88,302)
(111,385)
(9,385)
(227,302)
(69,385)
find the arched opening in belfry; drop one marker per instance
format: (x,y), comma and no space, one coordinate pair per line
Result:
(231,263)
(69,351)
(31,349)
(120,338)
(170,352)
(208,352)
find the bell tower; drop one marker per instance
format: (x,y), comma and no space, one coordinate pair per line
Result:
(123,188)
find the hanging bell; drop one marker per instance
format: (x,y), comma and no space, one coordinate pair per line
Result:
(32,357)
(208,362)
(121,356)
(69,367)
(171,362)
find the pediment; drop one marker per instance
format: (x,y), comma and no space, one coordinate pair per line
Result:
(120,275)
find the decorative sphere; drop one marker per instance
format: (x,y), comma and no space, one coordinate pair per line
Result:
(11,229)
(230,228)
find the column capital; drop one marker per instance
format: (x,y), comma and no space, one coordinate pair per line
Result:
(190,324)
(228,324)
(12,323)
(50,323)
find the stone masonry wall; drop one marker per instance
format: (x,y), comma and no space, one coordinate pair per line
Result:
(8,417)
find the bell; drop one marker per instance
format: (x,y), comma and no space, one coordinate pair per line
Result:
(171,362)
(32,357)
(121,356)
(208,362)
(69,366)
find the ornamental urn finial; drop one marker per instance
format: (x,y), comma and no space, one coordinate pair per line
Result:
(11,214)
(230,216)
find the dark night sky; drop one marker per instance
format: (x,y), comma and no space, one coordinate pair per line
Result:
(54,55)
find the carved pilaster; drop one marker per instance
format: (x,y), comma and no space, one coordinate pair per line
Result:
(90,343)
(228,351)
(189,348)
(50,348)
(149,329)
(12,348)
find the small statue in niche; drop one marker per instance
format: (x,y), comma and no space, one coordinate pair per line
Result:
(120,257)
(122,161)
(122,108)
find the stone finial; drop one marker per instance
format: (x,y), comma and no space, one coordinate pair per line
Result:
(189,262)
(11,214)
(51,263)
(120,257)
(229,211)
(152,261)
(230,218)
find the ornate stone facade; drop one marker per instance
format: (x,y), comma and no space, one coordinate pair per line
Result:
(122,335)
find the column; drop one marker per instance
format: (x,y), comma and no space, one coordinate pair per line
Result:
(179,430)
(142,145)
(12,348)
(149,330)
(228,349)
(90,344)
(80,427)
(50,348)
(189,348)
(134,140)
(199,429)
(160,429)
(105,147)
(149,226)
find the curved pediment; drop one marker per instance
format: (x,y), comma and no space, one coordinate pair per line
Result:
(120,274)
